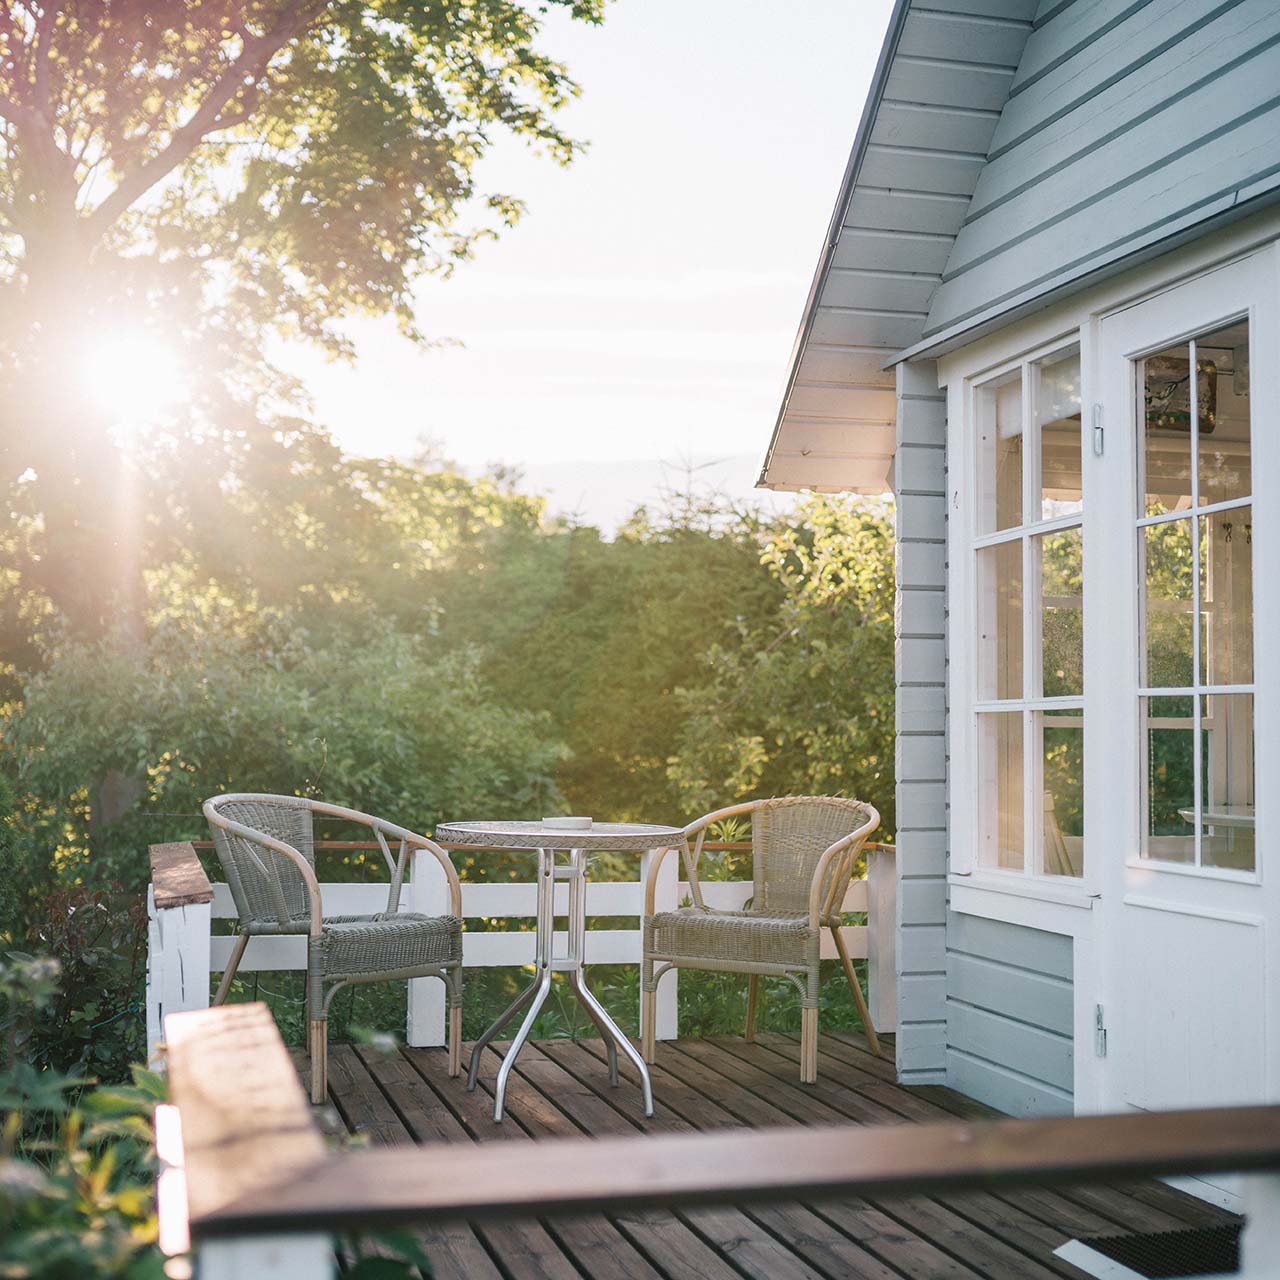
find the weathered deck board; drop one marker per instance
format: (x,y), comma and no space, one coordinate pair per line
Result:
(561,1090)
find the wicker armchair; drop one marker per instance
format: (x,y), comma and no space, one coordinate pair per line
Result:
(803,850)
(267,851)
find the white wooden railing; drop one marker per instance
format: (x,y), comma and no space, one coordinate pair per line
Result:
(182,907)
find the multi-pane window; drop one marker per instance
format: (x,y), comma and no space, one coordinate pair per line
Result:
(1195,546)
(1030,676)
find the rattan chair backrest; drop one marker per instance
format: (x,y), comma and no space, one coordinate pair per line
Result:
(788,837)
(268,889)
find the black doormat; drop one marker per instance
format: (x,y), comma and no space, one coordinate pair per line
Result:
(1197,1251)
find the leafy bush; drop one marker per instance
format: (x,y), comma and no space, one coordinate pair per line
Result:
(76,1164)
(94,1024)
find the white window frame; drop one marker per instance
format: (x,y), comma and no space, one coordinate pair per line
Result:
(966,706)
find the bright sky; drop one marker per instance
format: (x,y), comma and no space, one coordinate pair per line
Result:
(646,305)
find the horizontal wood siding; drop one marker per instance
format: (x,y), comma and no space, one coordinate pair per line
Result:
(1009,1015)
(915,165)
(921,763)
(1126,122)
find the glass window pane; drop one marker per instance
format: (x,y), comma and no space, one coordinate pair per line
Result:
(1000,621)
(1226,818)
(1061,614)
(1224,439)
(1164,392)
(1063,740)
(1058,420)
(1226,595)
(999,414)
(1001,788)
(1169,758)
(1169,572)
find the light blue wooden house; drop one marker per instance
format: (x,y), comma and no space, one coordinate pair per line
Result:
(1046,317)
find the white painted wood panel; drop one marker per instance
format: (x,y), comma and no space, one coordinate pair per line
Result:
(1097,113)
(1151,208)
(929,214)
(1110,169)
(1122,54)
(911,124)
(1070,32)
(935,82)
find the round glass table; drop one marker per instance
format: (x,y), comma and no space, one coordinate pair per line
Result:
(562,857)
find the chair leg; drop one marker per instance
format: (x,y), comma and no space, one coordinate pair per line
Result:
(455,1041)
(872,1039)
(318,1043)
(809,1046)
(753,999)
(237,954)
(648,1025)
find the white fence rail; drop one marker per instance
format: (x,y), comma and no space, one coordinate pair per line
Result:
(184,952)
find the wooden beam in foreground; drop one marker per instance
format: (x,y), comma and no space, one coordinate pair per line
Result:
(177,878)
(246,1124)
(397,1185)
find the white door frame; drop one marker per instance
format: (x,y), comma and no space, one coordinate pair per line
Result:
(1128,884)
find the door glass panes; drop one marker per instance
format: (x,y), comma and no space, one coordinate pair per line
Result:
(1029,615)
(1195,536)
(1168,565)
(1000,620)
(1170,759)
(1000,445)
(1164,412)
(1226,595)
(1061,613)
(1223,438)
(1062,741)
(1057,420)
(1226,813)
(1001,787)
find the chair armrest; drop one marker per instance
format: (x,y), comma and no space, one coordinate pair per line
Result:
(315,908)
(408,840)
(651,884)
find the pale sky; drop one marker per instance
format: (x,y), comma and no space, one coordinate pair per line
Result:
(646,305)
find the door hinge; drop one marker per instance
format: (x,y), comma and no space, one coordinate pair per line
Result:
(1099,435)
(1099,1032)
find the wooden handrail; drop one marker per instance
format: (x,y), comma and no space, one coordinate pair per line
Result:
(177,878)
(253,1166)
(370,846)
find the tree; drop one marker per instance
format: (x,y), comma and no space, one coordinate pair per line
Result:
(216,173)
(801,699)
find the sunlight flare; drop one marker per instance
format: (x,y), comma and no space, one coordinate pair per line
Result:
(134,377)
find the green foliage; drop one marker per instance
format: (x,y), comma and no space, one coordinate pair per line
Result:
(799,699)
(76,1165)
(376,717)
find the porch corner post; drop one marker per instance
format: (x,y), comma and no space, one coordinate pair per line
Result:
(1260,1239)
(920,659)
(291,1257)
(666,898)
(178,962)
(428,894)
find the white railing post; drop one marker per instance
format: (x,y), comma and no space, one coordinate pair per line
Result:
(292,1257)
(882,890)
(177,962)
(428,892)
(666,898)
(1260,1239)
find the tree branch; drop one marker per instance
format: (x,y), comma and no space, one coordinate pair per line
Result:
(43,56)
(256,52)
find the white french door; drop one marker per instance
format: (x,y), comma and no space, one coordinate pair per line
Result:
(1182,759)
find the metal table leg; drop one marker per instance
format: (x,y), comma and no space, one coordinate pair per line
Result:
(535,995)
(610,1032)
(537,991)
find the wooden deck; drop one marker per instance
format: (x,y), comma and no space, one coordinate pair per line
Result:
(561,1089)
